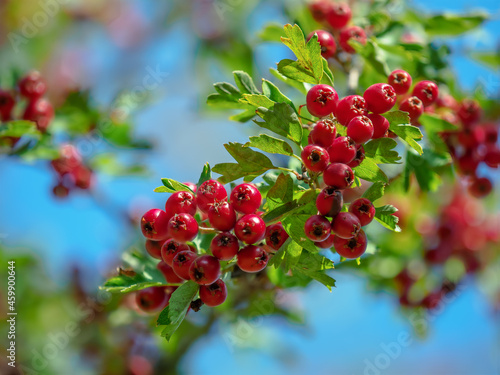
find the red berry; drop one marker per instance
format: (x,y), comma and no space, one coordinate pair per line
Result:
(317,228)
(214,294)
(350,107)
(321,100)
(252,259)
(326,244)
(490,133)
(315,158)
(349,33)
(380,125)
(351,248)
(224,246)
(492,157)
(339,14)
(426,91)
(472,136)
(329,201)
(60,190)
(480,187)
(208,193)
(346,225)
(83,176)
(182,262)
(364,210)
(338,175)
(154,248)
(469,112)
(319,9)
(41,112)
(400,81)
(151,299)
(154,225)
(468,163)
(342,150)
(191,186)
(276,236)
(246,198)
(414,107)
(183,227)
(170,248)
(222,216)
(205,270)
(326,41)
(360,156)
(250,229)
(380,98)
(169,273)
(32,86)
(7,103)
(323,133)
(360,129)
(181,202)
(70,158)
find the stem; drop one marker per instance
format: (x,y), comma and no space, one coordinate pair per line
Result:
(288,170)
(297,157)
(206,230)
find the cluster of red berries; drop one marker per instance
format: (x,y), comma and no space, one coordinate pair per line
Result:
(71,172)
(335,16)
(240,232)
(31,87)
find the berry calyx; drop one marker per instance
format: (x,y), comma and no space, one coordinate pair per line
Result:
(183,227)
(323,133)
(205,270)
(181,202)
(214,294)
(321,100)
(364,210)
(338,15)
(252,259)
(360,129)
(151,299)
(276,236)
(380,98)
(182,262)
(170,248)
(338,175)
(154,248)
(169,273)
(315,158)
(326,41)
(380,125)
(342,150)
(154,225)
(351,248)
(400,80)
(329,201)
(349,33)
(32,86)
(246,198)
(426,91)
(414,107)
(358,159)
(250,229)
(224,246)
(317,228)
(208,192)
(346,225)
(350,107)
(222,216)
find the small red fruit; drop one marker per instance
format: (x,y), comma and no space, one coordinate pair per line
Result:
(427,92)
(380,125)
(380,98)
(364,210)
(480,187)
(170,248)
(326,41)
(351,248)
(205,270)
(400,80)
(221,216)
(151,299)
(321,100)
(360,156)
(252,259)
(182,262)
(208,193)
(154,225)
(246,198)
(323,133)
(349,33)
(414,107)
(329,201)
(181,202)
(32,86)
(41,112)
(317,228)
(338,175)
(154,248)
(224,246)
(338,15)
(183,227)
(169,273)
(360,129)
(469,112)
(315,158)
(350,107)
(326,244)
(346,225)
(250,229)
(214,294)
(276,236)
(342,150)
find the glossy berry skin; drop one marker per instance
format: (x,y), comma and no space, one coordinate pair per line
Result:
(214,294)
(154,248)
(472,136)
(469,112)
(170,248)
(400,80)
(380,125)
(222,216)
(492,157)
(250,229)
(154,225)
(339,14)
(321,100)
(7,103)
(41,112)
(414,107)
(224,246)
(151,299)
(468,163)
(351,33)
(364,210)
(329,201)
(315,158)
(346,225)
(181,202)
(68,160)
(319,9)
(276,236)
(360,129)
(380,98)
(83,177)
(32,86)
(350,107)
(317,228)
(252,259)
(205,270)
(358,159)
(326,41)
(338,175)
(427,92)
(182,263)
(183,227)
(342,150)
(169,273)
(351,248)
(326,244)
(323,133)
(480,187)
(490,134)
(246,198)
(208,192)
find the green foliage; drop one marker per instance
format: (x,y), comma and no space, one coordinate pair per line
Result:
(384,215)
(399,123)
(171,186)
(206,174)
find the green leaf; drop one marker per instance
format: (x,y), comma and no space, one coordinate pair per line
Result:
(271,33)
(171,186)
(206,174)
(294,70)
(108,163)
(399,123)
(425,167)
(274,93)
(384,215)
(381,151)
(490,59)
(227,96)
(257,100)
(375,191)
(270,144)
(279,212)
(449,24)
(248,159)
(245,82)
(293,252)
(173,315)
(290,82)
(327,78)
(282,120)
(294,226)
(314,266)
(373,55)
(229,172)
(281,192)
(433,126)
(369,170)
(19,128)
